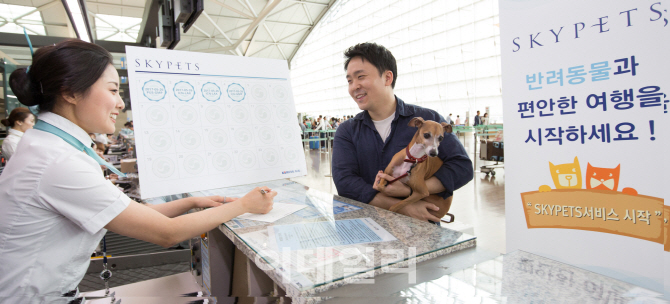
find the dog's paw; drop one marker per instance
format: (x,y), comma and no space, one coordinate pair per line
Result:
(544,188)
(395,208)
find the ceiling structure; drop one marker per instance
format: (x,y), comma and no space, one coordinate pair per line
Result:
(253,28)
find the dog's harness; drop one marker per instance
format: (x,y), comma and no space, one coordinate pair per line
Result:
(410,159)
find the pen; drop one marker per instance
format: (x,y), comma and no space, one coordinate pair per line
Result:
(263,191)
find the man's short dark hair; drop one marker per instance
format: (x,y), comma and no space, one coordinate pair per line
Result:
(377,55)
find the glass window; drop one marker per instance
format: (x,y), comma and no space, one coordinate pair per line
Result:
(447,53)
(32,21)
(117,28)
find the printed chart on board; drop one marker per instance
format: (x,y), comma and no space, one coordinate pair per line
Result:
(205,121)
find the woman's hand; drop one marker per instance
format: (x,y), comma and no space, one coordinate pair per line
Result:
(212,201)
(256,202)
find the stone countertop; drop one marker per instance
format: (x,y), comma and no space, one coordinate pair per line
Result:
(522,277)
(304,273)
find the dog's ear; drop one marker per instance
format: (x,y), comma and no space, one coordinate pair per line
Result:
(416,122)
(446,127)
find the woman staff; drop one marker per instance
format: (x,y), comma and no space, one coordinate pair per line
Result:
(55,206)
(18,122)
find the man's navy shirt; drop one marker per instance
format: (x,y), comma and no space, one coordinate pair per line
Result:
(359,153)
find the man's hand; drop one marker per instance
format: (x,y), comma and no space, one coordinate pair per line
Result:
(396,189)
(419,210)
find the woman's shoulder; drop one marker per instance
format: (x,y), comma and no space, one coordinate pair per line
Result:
(41,149)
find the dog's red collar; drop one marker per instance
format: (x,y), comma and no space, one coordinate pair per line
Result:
(412,159)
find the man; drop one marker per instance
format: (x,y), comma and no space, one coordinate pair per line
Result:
(365,144)
(302,129)
(449,121)
(478,120)
(322,125)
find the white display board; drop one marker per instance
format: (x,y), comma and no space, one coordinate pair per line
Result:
(205,121)
(585,93)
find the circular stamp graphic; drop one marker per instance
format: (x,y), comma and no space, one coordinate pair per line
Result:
(153,90)
(246,158)
(160,141)
(222,161)
(188,115)
(243,136)
(263,114)
(284,114)
(240,114)
(211,91)
(163,167)
(280,93)
(287,133)
(291,155)
(236,92)
(218,138)
(266,135)
(184,91)
(259,92)
(194,164)
(157,115)
(214,114)
(270,156)
(190,139)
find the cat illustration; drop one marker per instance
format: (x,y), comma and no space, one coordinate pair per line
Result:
(565,176)
(605,179)
(602,178)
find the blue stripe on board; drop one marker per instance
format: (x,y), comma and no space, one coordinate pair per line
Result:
(231,76)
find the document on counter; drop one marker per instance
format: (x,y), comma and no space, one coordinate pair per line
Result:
(328,234)
(338,207)
(279,210)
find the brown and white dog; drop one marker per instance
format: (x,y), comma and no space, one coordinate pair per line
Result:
(418,162)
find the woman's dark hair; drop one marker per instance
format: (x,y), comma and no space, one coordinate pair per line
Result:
(18,114)
(71,66)
(377,55)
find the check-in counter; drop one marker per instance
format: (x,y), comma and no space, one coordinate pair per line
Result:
(333,242)
(267,262)
(415,262)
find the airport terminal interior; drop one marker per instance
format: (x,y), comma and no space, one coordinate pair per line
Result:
(275,69)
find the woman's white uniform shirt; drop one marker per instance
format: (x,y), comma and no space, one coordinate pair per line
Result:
(10,142)
(54,203)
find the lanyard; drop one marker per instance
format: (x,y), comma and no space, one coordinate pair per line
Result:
(46,127)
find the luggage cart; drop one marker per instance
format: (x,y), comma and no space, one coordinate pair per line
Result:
(489,150)
(490,169)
